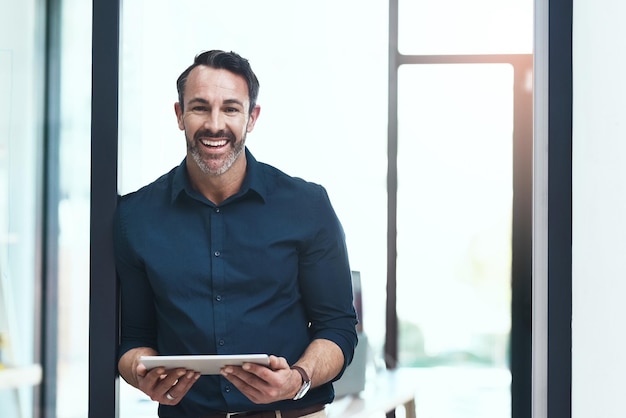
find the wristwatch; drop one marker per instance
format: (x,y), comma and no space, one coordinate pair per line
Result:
(306,383)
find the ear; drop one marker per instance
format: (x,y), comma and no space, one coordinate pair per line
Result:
(254,115)
(179,116)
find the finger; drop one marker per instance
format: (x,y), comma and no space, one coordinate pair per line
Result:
(242,378)
(142,370)
(151,377)
(277,363)
(274,376)
(259,383)
(259,370)
(251,386)
(156,384)
(168,380)
(182,386)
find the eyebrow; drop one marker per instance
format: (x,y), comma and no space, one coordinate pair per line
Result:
(233,101)
(204,101)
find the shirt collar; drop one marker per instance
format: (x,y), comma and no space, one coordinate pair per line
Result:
(254,182)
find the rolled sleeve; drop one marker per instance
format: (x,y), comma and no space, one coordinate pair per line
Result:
(326,282)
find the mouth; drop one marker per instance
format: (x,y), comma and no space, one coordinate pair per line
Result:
(213,143)
(214,140)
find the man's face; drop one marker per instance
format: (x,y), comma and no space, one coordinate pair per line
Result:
(215,118)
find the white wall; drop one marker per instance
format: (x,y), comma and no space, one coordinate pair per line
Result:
(599,209)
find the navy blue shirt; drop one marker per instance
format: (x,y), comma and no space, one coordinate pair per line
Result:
(265,271)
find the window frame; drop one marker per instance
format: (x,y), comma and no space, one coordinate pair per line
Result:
(521,271)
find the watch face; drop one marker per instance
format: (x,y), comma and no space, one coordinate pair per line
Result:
(306,383)
(303,390)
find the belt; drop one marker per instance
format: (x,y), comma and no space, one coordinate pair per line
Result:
(288,413)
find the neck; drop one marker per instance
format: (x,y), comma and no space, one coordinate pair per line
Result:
(218,188)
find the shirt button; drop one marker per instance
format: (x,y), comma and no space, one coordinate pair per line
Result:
(227,389)
(217,253)
(218,298)
(221,342)
(217,210)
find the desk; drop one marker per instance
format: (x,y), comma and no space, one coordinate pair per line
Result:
(384,393)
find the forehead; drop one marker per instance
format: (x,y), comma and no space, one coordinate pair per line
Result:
(215,83)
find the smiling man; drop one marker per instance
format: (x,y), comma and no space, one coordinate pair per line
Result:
(227,255)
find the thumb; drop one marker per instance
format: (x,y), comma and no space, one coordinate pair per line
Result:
(277,363)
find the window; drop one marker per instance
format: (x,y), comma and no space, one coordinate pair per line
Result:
(453,27)
(463,181)
(72,270)
(455,186)
(21,140)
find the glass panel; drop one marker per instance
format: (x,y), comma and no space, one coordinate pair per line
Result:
(21,90)
(448,27)
(324,105)
(73,211)
(454,235)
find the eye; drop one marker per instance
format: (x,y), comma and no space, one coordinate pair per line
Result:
(199,109)
(231,110)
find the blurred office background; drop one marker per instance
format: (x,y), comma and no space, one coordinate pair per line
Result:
(462,142)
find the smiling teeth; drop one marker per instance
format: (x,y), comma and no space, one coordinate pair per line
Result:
(209,143)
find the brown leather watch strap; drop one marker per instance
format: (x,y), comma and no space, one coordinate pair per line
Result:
(305,376)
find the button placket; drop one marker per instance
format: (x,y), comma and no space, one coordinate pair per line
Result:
(218,274)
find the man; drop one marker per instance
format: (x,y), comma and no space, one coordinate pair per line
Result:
(226,255)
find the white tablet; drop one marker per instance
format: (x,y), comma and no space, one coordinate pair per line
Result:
(205,364)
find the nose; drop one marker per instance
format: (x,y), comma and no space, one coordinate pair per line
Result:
(214,121)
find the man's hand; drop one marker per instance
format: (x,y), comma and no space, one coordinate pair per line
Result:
(263,385)
(164,386)
(167,387)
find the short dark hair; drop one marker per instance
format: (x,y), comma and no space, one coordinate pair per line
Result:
(230,61)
